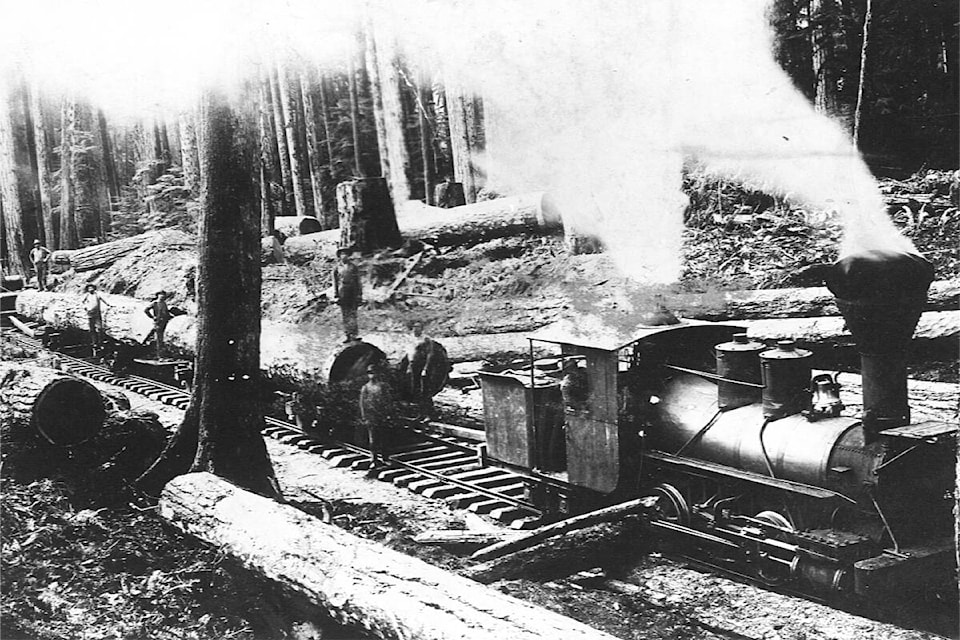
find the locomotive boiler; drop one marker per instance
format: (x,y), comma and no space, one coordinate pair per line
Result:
(745,454)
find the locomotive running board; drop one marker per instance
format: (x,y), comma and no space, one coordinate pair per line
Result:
(714,470)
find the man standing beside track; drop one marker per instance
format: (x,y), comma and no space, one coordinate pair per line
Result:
(376,409)
(159,312)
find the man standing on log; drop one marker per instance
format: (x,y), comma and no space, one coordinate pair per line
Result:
(93,304)
(348,291)
(39,258)
(376,409)
(159,312)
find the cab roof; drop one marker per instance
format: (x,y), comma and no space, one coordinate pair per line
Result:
(593,332)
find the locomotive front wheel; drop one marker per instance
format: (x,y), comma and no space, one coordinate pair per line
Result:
(671,505)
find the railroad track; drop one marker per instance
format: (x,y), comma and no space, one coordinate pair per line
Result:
(435,465)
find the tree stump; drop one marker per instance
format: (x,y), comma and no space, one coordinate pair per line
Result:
(368,220)
(447,195)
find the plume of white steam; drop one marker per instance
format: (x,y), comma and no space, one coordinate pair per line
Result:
(597,101)
(600,102)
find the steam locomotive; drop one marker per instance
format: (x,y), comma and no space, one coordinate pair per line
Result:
(745,457)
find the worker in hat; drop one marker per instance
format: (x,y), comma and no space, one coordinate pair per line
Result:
(376,409)
(40,258)
(348,292)
(93,304)
(159,312)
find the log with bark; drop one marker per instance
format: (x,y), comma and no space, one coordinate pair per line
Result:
(615,512)
(604,544)
(60,408)
(103,255)
(470,224)
(288,354)
(933,325)
(787,303)
(465,537)
(354,580)
(291,226)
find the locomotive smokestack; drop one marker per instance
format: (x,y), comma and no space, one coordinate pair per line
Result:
(881,296)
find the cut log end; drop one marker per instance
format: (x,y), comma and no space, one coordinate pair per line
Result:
(68,411)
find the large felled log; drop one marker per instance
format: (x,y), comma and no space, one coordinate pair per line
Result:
(355,580)
(288,354)
(928,400)
(599,545)
(933,325)
(123,318)
(528,213)
(469,224)
(60,408)
(103,255)
(787,303)
(291,226)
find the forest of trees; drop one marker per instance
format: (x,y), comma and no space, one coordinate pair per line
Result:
(71,176)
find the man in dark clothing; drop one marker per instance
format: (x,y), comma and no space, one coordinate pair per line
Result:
(376,409)
(348,291)
(160,313)
(423,358)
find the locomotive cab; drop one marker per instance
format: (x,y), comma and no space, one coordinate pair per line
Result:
(579,415)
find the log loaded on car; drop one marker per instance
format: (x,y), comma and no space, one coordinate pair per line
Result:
(747,460)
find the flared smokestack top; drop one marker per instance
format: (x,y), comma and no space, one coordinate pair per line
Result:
(881,296)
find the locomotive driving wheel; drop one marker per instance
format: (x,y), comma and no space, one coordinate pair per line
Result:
(771,568)
(671,505)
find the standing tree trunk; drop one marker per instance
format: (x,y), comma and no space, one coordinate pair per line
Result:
(188,151)
(283,153)
(69,234)
(86,173)
(10,194)
(330,218)
(426,148)
(109,162)
(355,117)
(465,115)
(388,112)
(220,432)
(858,114)
(41,142)
(824,27)
(293,121)
(268,161)
(307,84)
